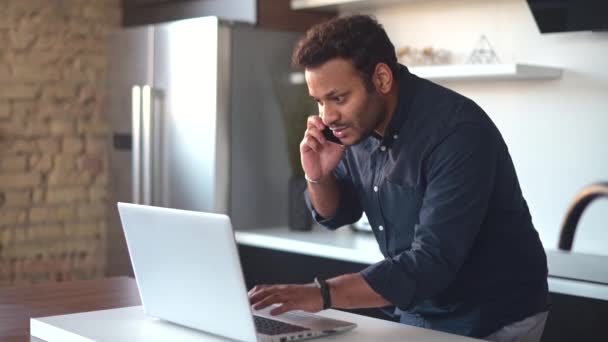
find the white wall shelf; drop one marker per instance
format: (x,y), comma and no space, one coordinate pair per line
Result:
(333,5)
(475,72)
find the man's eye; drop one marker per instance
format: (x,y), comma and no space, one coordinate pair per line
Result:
(339,99)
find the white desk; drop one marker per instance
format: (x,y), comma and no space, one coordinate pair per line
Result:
(131,325)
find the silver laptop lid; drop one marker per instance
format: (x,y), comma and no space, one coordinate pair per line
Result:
(187,269)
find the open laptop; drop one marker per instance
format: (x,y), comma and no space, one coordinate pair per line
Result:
(188,272)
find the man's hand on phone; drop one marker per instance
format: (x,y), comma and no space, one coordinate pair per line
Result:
(319,156)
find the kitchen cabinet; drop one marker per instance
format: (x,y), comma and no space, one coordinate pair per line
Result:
(276,15)
(143,12)
(142,3)
(333,5)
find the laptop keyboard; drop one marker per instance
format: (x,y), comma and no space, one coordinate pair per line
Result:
(271,327)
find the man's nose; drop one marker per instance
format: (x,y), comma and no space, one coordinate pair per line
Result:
(329,116)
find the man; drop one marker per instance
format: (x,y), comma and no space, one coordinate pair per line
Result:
(437,183)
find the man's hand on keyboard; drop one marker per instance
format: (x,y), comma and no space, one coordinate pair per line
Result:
(289,297)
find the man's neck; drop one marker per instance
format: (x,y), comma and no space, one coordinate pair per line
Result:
(392,99)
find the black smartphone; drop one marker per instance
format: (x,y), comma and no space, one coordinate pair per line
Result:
(329,135)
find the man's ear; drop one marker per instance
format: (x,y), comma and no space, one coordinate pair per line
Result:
(383,78)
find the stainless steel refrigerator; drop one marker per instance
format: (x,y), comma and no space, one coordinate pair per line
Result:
(196,122)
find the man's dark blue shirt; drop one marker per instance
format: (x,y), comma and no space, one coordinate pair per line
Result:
(443,199)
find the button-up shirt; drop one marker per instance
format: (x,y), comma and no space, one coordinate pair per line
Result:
(442,197)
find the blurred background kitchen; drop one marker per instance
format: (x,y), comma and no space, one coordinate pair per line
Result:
(107,100)
(67,69)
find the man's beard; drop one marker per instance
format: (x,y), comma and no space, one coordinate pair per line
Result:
(374,104)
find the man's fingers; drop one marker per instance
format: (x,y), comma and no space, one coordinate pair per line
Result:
(255,289)
(274,294)
(287,298)
(315,133)
(310,143)
(259,296)
(267,301)
(315,121)
(259,292)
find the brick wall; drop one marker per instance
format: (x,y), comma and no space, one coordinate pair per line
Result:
(54,138)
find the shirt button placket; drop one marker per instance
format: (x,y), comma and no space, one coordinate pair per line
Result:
(380,160)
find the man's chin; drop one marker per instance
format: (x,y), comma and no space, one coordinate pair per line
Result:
(352,140)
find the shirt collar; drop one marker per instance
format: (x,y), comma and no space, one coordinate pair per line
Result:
(406,94)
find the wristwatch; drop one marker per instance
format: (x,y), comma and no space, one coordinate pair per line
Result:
(324,287)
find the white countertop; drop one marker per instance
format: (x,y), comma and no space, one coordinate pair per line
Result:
(130,324)
(569,273)
(342,244)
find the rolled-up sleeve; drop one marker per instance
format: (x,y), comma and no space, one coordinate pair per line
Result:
(460,174)
(349,209)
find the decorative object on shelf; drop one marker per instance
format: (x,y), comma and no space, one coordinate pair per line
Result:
(482,64)
(295,105)
(483,53)
(411,56)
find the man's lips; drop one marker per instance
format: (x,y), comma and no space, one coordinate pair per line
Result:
(339,132)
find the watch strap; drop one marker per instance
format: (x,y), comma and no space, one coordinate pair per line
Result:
(324,288)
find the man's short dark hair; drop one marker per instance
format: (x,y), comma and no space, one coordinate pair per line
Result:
(359,38)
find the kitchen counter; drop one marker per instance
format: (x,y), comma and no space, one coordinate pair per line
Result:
(569,273)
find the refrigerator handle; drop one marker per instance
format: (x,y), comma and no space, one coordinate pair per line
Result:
(146,148)
(159,164)
(136,143)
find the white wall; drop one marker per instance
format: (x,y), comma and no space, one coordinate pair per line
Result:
(557,131)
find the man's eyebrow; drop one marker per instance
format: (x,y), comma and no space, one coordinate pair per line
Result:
(331,93)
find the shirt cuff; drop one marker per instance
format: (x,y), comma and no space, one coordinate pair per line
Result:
(391,282)
(349,209)
(331,223)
